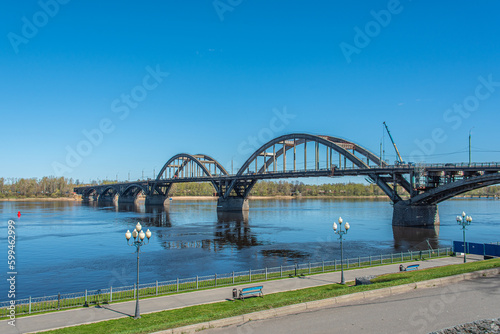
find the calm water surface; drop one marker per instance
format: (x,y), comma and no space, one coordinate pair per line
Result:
(69,247)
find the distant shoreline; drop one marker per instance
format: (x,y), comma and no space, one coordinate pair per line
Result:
(212,198)
(42,199)
(198,198)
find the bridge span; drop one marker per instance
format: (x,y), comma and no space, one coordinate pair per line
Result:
(414,189)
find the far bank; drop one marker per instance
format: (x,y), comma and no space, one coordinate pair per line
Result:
(196,198)
(214,198)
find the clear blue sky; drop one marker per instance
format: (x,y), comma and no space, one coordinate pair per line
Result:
(65,69)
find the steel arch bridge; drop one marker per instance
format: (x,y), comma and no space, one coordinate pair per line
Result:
(415,190)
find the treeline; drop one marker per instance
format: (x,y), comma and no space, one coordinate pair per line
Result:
(31,188)
(283,188)
(487,191)
(62,187)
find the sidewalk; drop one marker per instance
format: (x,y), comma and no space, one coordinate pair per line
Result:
(59,319)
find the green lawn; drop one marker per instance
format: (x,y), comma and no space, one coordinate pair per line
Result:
(202,313)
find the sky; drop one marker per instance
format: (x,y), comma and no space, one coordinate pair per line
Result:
(103,89)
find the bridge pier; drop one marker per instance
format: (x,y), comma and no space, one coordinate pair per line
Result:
(405,214)
(232,204)
(156,200)
(127,199)
(106,199)
(90,198)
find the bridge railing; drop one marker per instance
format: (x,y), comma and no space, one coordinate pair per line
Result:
(272,172)
(33,305)
(460,165)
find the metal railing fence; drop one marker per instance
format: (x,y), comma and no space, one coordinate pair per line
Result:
(112,294)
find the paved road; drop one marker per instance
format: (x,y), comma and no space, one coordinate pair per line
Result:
(419,311)
(120,310)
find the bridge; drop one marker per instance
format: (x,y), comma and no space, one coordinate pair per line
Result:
(414,189)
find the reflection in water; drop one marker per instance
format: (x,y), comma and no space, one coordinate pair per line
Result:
(285,253)
(130,207)
(415,238)
(158,216)
(227,217)
(231,231)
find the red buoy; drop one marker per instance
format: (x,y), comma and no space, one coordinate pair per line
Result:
(18,214)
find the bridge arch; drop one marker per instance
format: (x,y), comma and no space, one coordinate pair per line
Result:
(296,139)
(90,191)
(109,190)
(183,165)
(90,194)
(447,191)
(346,151)
(132,190)
(108,193)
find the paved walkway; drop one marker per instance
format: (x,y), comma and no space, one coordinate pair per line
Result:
(126,309)
(416,311)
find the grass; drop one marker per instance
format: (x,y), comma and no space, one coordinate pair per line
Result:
(202,313)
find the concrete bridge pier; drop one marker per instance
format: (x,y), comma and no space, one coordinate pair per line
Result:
(107,199)
(406,214)
(157,200)
(232,204)
(127,199)
(90,198)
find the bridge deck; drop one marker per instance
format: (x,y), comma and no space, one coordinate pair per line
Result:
(336,172)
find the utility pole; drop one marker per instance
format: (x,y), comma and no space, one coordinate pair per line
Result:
(382,145)
(381,153)
(470,151)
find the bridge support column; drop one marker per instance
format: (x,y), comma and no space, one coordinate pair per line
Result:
(106,199)
(232,204)
(405,214)
(127,199)
(156,200)
(90,198)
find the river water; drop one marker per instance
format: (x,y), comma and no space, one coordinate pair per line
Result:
(69,246)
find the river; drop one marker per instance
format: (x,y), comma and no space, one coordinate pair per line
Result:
(70,246)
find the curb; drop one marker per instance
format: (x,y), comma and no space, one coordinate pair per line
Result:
(331,302)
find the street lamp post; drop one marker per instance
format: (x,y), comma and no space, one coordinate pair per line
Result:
(138,241)
(464,221)
(341,233)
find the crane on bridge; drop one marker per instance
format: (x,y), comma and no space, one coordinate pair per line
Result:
(400,160)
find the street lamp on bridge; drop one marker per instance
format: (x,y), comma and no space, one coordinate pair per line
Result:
(341,233)
(138,241)
(464,221)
